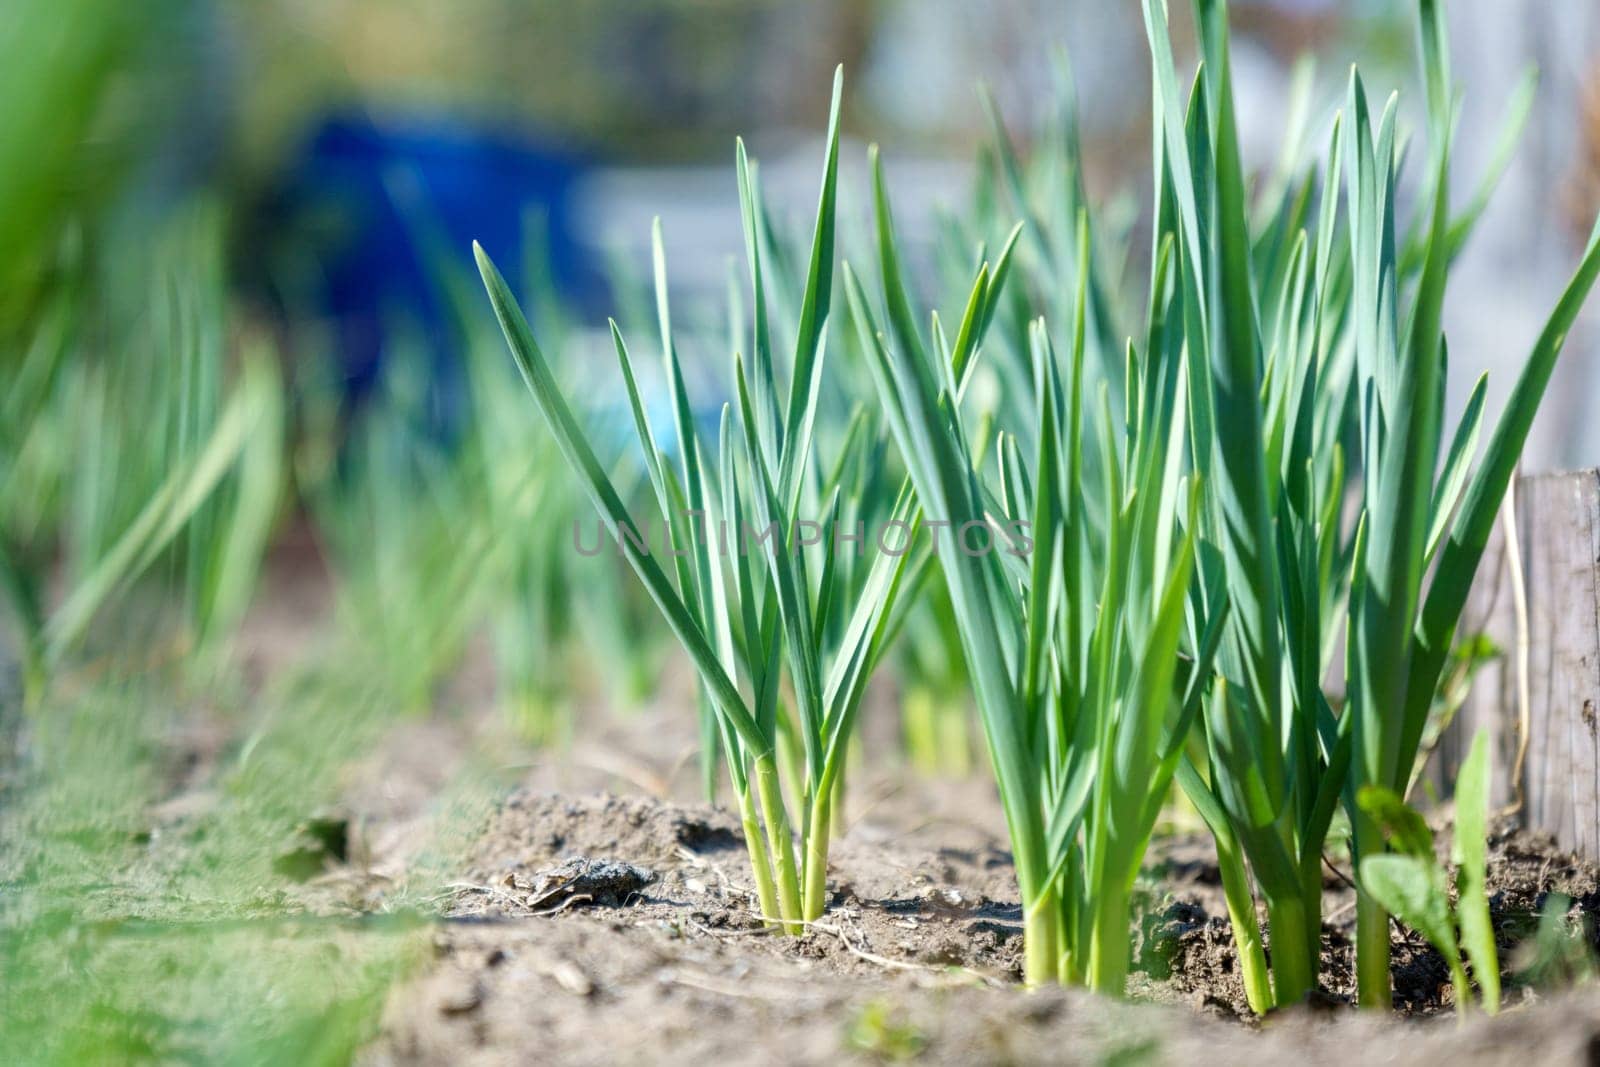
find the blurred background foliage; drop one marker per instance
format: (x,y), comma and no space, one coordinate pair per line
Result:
(294,114)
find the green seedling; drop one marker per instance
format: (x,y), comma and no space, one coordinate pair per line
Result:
(1411,884)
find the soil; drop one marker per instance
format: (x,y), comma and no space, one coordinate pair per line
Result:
(659,959)
(590,926)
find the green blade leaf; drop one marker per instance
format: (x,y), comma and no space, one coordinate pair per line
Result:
(1469,852)
(813,324)
(1469,536)
(580,456)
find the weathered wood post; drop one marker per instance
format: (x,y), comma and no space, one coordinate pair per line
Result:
(1558,525)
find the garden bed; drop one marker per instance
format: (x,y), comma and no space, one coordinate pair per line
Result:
(920,952)
(661,958)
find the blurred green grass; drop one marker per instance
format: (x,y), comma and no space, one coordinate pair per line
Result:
(148,912)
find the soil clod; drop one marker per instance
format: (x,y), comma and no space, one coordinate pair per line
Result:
(607,883)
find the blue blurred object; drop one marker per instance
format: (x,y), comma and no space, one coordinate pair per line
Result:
(371,203)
